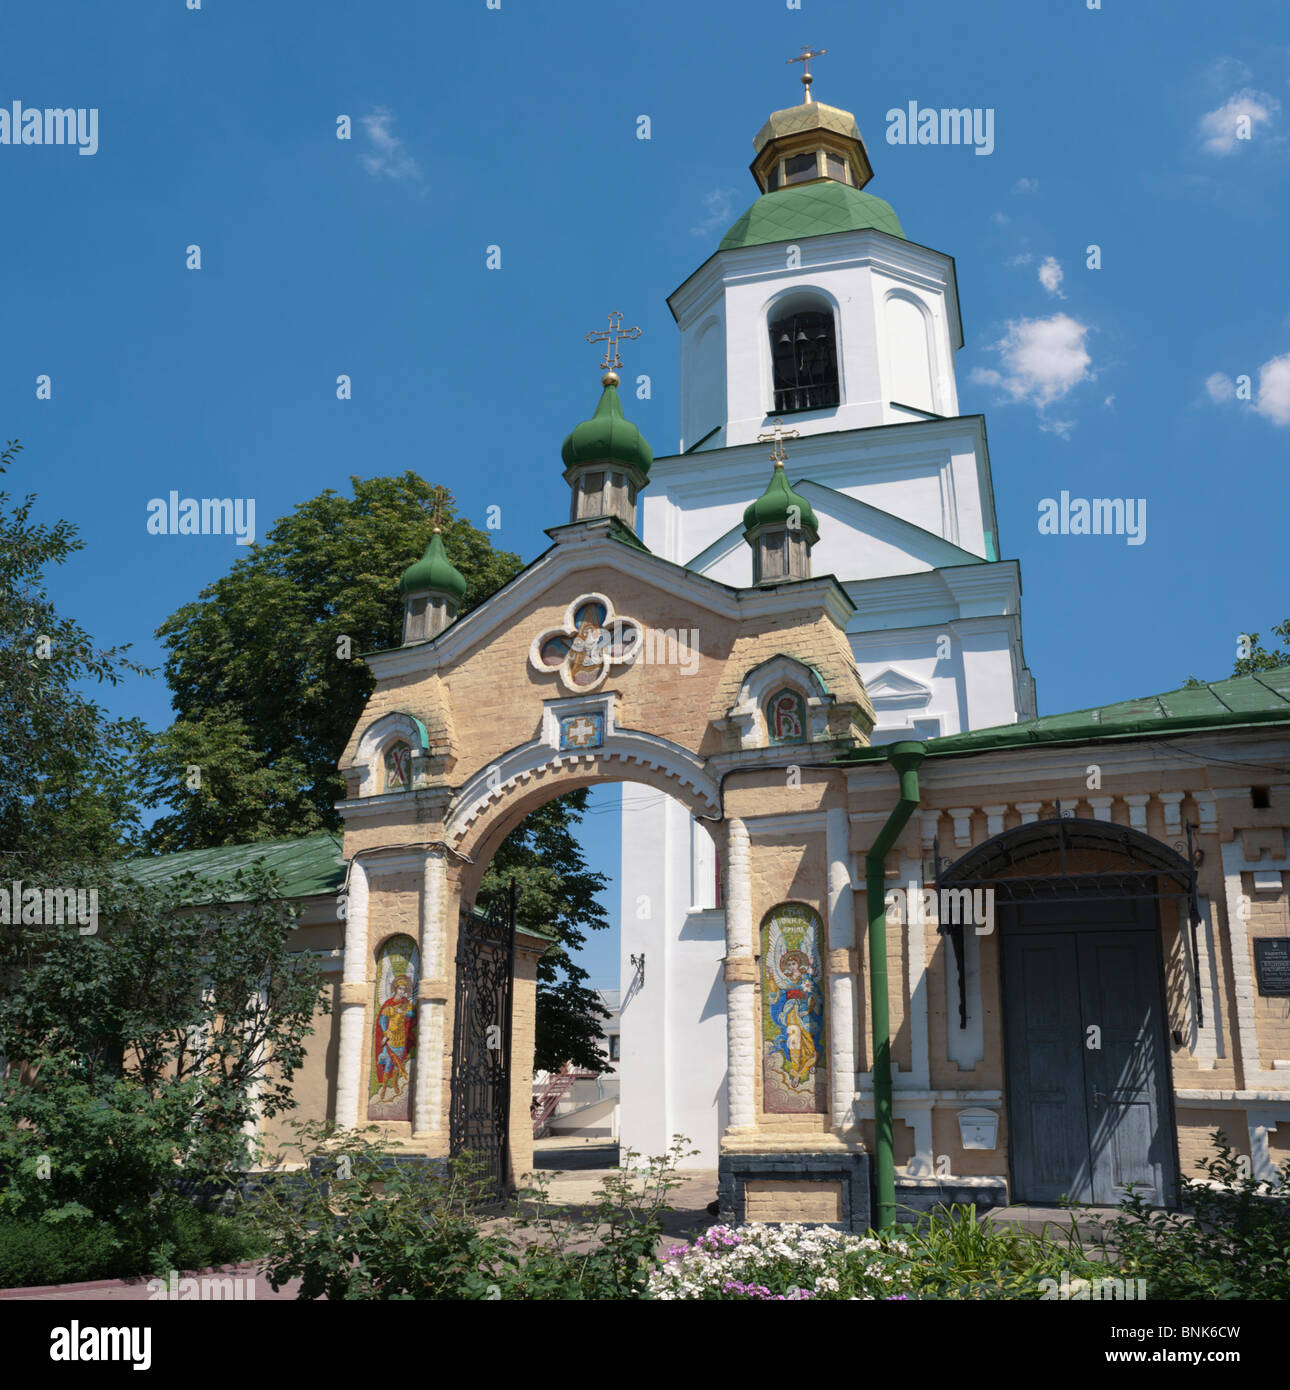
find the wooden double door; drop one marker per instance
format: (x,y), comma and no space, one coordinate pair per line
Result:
(1087,1064)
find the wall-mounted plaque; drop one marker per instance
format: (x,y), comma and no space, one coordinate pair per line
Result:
(1272,964)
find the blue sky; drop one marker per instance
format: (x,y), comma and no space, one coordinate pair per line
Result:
(517,127)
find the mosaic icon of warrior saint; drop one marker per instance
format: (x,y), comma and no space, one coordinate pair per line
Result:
(393,1030)
(793,1014)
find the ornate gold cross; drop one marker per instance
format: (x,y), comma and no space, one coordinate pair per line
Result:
(610,337)
(439,497)
(804,57)
(779,434)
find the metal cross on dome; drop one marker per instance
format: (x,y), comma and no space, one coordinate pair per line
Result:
(804,57)
(439,496)
(610,337)
(779,434)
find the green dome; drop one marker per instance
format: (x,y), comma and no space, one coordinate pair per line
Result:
(607,437)
(811,209)
(772,507)
(434,570)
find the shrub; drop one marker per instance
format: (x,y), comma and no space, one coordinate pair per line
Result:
(361,1224)
(1231,1238)
(39,1252)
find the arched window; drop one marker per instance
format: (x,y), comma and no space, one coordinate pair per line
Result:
(398,767)
(786,717)
(804,356)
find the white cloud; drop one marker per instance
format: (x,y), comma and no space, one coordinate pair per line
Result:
(390,159)
(1273,401)
(1043,360)
(718,209)
(1000,219)
(1220,387)
(1050,276)
(1109,403)
(1021,258)
(1235,122)
(1225,73)
(1026,186)
(1271,398)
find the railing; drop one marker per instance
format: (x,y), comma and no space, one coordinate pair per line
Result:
(552,1093)
(791,399)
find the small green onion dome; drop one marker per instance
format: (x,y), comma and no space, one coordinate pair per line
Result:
(608,437)
(772,508)
(434,570)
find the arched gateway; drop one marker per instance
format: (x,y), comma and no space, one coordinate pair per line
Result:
(600,662)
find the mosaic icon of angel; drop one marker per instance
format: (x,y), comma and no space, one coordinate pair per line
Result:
(593,640)
(796,1001)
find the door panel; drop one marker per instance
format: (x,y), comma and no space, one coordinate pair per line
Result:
(1125,1077)
(1086,1121)
(1050,1142)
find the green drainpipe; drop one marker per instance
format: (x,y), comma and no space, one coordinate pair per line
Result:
(905,758)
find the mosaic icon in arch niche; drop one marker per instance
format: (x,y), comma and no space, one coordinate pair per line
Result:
(592,639)
(786,717)
(389,1090)
(794,1064)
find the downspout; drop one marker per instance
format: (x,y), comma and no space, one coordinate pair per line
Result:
(905,758)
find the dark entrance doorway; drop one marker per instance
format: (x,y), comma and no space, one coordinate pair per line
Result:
(1085,1051)
(1077,910)
(479,1109)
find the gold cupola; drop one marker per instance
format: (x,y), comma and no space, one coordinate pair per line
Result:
(809,143)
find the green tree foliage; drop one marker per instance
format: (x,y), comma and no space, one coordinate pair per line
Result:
(265,667)
(65,767)
(169,991)
(555,892)
(1259,659)
(267,686)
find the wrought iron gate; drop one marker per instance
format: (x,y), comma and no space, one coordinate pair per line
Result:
(479,1110)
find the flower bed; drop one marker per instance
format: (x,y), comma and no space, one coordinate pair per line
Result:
(783,1264)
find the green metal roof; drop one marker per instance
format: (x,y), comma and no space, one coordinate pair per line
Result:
(435,571)
(1240,701)
(307,867)
(811,209)
(608,437)
(775,507)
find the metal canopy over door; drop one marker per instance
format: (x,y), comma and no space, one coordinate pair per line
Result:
(1087,1067)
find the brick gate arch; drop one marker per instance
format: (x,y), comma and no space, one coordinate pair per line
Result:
(468,731)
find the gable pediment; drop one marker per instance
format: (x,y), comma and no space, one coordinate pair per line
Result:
(895,689)
(587,558)
(857,540)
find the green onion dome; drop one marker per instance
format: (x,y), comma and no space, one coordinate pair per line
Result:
(773,507)
(608,437)
(434,570)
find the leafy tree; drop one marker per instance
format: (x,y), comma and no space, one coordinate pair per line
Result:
(1259,659)
(267,686)
(170,990)
(555,892)
(65,767)
(264,667)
